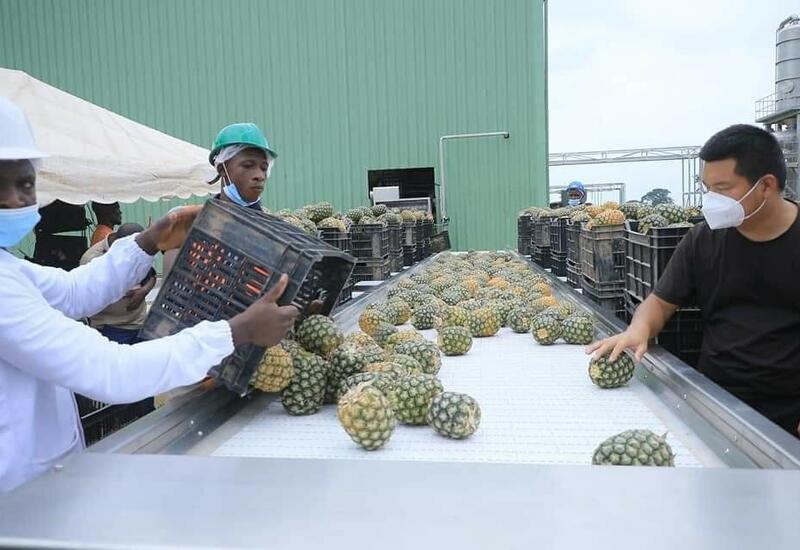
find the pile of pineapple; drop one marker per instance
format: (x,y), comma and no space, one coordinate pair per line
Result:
(612,213)
(321,215)
(384,375)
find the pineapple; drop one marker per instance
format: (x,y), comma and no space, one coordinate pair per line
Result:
(520,320)
(672,213)
(306,392)
(411,398)
(454,316)
(382,382)
(454,415)
(318,212)
(455,295)
(609,217)
(607,374)
(634,448)
(406,361)
(318,334)
(581,217)
(393,370)
(610,205)
(333,223)
(275,370)
(578,330)
(454,340)
(379,210)
(483,322)
(355,214)
(546,329)
(544,289)
(402,336)
(366,415)
(425,352)
(369,320)
(424,317)
(693,212)
(382,333)
(593,210)
(644,211)
(631,210)
(358,340)
(653,220)
(344,361)
(502,308)
(397,311)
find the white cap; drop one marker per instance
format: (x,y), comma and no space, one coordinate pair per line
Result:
(16,135)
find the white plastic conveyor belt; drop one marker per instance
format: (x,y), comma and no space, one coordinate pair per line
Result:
(538,406)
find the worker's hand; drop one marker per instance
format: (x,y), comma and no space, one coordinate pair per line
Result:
(168,232)
(136,297)
(265,323)
(632,339)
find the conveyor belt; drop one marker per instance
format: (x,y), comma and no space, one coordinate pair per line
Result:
(538,406)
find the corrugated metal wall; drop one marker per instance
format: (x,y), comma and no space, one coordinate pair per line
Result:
(341,86)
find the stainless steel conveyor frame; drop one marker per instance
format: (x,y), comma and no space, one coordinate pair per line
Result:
(146,486)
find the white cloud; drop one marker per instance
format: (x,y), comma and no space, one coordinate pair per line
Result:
(642,74)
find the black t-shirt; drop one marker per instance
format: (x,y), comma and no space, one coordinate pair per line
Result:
(749,296)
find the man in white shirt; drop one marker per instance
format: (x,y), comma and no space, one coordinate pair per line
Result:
(46,355)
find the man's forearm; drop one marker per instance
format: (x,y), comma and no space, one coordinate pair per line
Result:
(651,316)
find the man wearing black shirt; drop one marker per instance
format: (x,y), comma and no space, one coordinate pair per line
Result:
(742,266)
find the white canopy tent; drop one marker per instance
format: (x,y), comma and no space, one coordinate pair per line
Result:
(99,155)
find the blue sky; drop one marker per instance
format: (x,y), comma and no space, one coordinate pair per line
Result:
(628,73)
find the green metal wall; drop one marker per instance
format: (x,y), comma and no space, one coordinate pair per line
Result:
(341,86)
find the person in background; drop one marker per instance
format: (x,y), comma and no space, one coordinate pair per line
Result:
(122,320)
(47,355)
(243,160)
(108,217)
(576,194)
(741,266)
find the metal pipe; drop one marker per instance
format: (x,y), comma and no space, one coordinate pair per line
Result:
(442,197)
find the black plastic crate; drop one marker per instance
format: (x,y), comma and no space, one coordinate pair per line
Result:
(646,256)
(337,239)
(372,270)
(558,236)
(409,255)
(558,264)
(427,229)
(410,234)
(609,296)
(541,255)
(541,232)
(395,236)
(573,274)
(573,232)
(370,241)
(100,420)
(682,336)
(524,246)
(347,293)
(232,256)
(396,262)
(603,254)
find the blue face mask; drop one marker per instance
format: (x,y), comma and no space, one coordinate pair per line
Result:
(573,202)
(232,192)
(15,223)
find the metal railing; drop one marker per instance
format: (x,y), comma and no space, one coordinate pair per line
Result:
(772,105)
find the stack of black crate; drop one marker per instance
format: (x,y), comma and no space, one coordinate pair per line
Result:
(344,242)
(395,247)
(371,249)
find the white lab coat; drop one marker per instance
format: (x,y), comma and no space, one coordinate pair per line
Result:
(45,355)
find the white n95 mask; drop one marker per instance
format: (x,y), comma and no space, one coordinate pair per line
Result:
(722,212)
